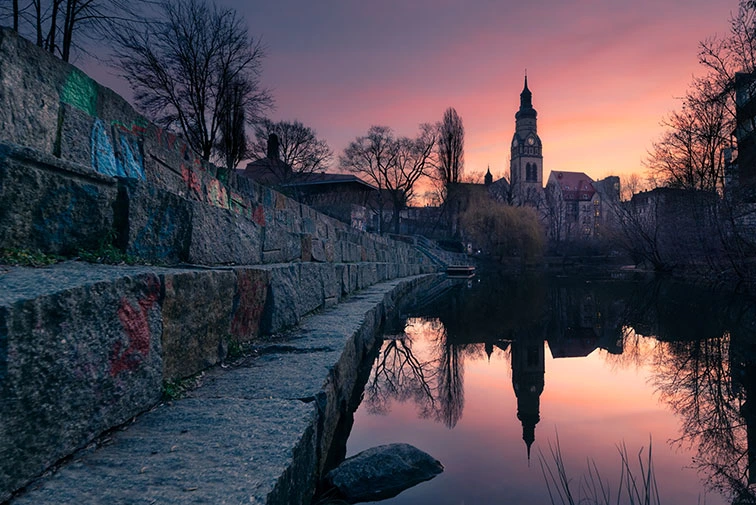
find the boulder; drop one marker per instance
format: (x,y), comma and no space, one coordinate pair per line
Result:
(383,472)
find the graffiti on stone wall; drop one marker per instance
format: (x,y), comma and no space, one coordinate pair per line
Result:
(216,194)
(258,215)
(249,302)
(80,91)
(193,183)
(126,161)
(136,325)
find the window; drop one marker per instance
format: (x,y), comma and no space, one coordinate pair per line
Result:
(531,173)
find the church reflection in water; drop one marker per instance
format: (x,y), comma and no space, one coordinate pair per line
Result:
(704,356)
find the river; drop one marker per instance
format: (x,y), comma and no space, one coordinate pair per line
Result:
(507,380)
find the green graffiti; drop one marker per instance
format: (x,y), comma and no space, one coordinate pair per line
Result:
(81,92)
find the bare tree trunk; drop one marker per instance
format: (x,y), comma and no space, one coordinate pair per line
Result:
(38,15)
(52,32)
(15,15)
(68,28)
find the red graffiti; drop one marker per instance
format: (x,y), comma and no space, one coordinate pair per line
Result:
(136,325)
(258,215)
(192,181)
(135,129)
(252,292)
(170,138)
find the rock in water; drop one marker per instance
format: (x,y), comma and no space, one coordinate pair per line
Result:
(382,472)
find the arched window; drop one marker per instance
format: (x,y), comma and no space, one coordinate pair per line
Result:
(531,174)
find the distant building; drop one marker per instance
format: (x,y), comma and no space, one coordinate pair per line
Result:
(270,170)
(345,197)
(580,208)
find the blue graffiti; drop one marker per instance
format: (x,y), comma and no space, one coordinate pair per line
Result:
(127,162)
(130,162)
(103,156)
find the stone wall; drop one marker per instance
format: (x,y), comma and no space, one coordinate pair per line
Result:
(79,166)
(86,347)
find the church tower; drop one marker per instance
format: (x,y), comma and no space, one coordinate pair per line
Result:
(526,161)
(528,374)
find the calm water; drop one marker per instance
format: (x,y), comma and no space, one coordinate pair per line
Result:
(489,376)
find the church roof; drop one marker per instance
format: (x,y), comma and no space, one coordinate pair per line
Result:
(573,185)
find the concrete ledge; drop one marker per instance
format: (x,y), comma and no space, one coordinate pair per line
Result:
(254,433)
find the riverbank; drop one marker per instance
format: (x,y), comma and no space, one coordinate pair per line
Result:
(255,431)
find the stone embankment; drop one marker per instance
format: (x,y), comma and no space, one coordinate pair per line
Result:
(84,348)
(256,432)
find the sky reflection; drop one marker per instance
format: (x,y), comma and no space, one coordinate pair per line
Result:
(682,395)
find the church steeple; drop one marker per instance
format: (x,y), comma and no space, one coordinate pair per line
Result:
(526,116)
(526,97)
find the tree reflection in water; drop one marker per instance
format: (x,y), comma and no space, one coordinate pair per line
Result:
(702,354)
(419,365)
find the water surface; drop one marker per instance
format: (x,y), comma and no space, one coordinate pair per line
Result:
(489,377)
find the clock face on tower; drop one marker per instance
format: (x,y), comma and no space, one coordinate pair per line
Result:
(531,141)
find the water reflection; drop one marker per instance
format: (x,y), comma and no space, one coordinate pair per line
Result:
(702,359)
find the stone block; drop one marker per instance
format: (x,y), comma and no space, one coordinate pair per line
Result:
(311,294)
(330,251)
(306,247)
(51,205)
(367,275)
(352,280)
(197,312)
(152,223)
(381,271)
(318,250)
(75,139)
(282,301)
(84,359)
(331,283)
(219,236)
(280,245)
(249,303)
(29,93)
(167,162)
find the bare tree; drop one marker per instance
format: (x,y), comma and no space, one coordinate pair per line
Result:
(299,146)
(60,26)
(393,165)
(689,153)
(451,147)
(182,66)
(633,183)
(722,56)
(233,146)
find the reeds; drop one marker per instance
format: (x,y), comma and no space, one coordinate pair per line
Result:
(637,486)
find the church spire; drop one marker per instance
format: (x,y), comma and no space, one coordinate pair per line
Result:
(526,97)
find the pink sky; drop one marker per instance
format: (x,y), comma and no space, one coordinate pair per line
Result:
(603,73)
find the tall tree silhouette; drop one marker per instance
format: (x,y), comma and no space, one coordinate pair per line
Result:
(184,67)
